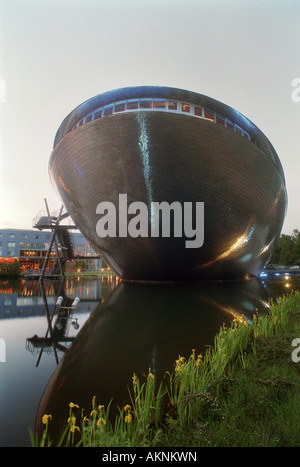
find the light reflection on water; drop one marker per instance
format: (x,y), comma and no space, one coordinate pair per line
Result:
(123,328)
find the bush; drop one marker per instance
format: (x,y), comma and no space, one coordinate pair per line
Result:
(10,269)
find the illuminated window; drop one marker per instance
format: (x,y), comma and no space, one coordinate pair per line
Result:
(220,119)
(120,106)
(108,110)
(132,104)
(172,105)
(229,125)
(209,115)
(11,235)
(98,114)
(198,111)
(159,104)
(185,108)
(146,104)
(88,118)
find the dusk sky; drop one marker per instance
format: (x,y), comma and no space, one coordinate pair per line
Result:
(55,54)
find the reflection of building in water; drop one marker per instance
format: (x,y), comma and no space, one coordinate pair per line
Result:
(30,248)
(28,299)
(91,290)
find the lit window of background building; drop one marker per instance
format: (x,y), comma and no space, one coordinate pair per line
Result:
(30,248)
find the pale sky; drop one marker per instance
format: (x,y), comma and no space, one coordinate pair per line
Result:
(55,54)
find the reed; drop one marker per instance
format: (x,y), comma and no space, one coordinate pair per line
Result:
(156,410)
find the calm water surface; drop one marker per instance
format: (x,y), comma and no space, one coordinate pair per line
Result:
(116,330)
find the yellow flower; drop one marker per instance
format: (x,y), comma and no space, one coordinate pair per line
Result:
(72,405)
(85,419)
(93,412)
(100,408)
(128,418)
(134,379)
(127,407)
(74,428)
(45,418)
(150,375)
(101,420)
(199,358)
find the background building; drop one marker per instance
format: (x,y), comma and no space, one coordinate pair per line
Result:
(30,248)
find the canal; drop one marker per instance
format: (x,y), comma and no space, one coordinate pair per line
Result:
(50,357)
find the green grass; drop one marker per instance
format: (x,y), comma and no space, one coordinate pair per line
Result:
(244,391)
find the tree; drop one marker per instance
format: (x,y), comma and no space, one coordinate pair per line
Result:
(287,250)
(10,269)
(80,266)
(296,235)
(15,268)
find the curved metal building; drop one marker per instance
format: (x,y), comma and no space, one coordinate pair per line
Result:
(159,144)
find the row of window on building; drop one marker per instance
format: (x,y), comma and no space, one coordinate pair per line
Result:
(158,104)
(29,249)
(24,236)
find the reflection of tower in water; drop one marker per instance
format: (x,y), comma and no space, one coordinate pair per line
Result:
(58,320)
(63,315)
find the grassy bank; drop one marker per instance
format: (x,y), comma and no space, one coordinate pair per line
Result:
(244,391)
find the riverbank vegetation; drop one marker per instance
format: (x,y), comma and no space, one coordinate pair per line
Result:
(287,250)
(244,391)
(10,269)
